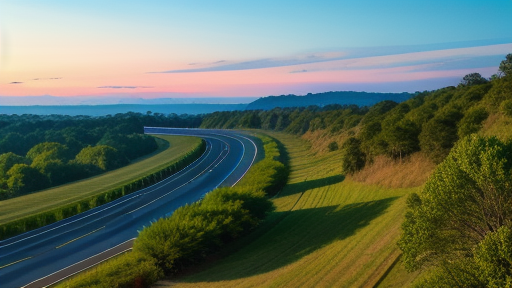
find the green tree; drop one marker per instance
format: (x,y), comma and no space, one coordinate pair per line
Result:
(402,138)
(440,133)
(353,158)
(52,151)
(467,197)
(24,179)
(7,160)
(101,156)
(472,121)
(506,66)
(333,146)
(250,120)
(473,79)
(494,258)
(506,107)
(501,91)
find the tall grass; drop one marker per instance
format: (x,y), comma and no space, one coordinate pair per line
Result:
(412,171)
(327,231)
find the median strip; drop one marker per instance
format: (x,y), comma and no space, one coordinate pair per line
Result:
(79,238)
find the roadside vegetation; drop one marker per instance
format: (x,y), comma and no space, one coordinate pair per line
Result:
(326,231)
(38,152)
(456,231)
(195,231)
(35,210)
(350,199)
(430,122)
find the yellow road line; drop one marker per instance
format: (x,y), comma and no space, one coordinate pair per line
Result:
(79,237)
(15,262)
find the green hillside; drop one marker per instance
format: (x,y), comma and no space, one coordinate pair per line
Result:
(327,231)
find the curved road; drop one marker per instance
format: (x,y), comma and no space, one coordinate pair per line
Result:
(48,254)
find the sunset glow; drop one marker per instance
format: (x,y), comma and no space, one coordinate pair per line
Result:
(148,50)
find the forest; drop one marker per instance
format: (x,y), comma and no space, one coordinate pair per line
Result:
(458,230)
(38,152)
(430,121)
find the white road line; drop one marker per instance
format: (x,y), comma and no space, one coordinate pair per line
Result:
(83,261)
(202,172)
(131,196)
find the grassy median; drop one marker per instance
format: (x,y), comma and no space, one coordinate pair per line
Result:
(170,149)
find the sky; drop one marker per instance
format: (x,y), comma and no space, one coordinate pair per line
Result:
(155,49)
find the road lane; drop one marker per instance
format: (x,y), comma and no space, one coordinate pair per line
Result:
(227,158)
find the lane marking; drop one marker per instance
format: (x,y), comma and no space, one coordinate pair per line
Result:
(110,205)
(141,192)
(85,235)
(15,262)
(84,261)
(202,172)
(213,133)
(253,158)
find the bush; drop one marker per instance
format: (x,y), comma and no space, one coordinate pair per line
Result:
(506,107)
(333,146)
(196,230)
(20,226)
(353,158)
(129,270)
(465,201)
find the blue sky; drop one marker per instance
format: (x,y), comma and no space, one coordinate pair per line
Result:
(230,48)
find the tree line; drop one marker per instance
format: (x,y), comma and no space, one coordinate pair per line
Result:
(459,228)
(32,222)
(430,121)
(38,152)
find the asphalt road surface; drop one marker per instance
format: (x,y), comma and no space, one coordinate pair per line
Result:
(44,256)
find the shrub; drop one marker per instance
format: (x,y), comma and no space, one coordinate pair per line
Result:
(333,146)
(506,107)
(353,158)
(196,230)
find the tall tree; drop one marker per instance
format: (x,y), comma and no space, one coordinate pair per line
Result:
(467,197)
(473,79)
(353,158)
(101,156)
(506,66)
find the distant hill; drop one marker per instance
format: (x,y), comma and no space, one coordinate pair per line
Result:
(102,110)
(322,99)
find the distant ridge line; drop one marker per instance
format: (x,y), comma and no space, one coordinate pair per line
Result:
(326,98)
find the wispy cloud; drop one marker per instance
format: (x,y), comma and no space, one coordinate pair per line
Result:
(53,78)
(299,71)
(16,82)
(451,55)
(123,87)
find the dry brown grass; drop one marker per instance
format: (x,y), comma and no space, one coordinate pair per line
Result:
(413,171)
(320,140)
(498,125)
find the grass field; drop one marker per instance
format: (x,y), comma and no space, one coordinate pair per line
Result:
(170,148)
(327,231)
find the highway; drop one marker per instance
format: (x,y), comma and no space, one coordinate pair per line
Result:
(48,254)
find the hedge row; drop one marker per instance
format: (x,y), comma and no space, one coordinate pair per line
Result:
(39,220)
(194,231)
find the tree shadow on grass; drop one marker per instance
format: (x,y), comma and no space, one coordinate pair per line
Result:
(300,187)
(293,236)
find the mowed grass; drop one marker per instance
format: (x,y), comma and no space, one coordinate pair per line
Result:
(170,149)
(327,231)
